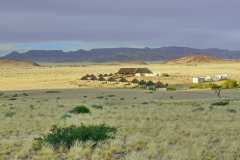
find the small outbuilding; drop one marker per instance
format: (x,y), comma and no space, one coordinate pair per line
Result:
(197,80)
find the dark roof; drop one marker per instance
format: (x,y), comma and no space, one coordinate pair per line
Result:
(133,70)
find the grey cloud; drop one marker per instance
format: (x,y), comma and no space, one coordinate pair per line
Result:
(198,23)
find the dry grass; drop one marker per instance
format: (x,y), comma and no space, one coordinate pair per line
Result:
(51,77)
(160,129)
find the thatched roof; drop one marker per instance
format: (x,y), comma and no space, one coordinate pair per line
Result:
(93,77)
(85,77)
(134,70)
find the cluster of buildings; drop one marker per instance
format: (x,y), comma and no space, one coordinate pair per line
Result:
(136,72)
(202,79)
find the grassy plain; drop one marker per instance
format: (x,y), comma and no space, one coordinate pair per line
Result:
(161,125)
(59,77)
(181,125)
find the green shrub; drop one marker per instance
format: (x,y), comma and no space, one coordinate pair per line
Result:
(25,94)
(111,95)
(135,81)
(100,97)
(66,137)
(231,110)
(10,114)
(214,86)
(15,95)
(142,82)
(150,83)
(221,103)
(198,109)
(171,89)
(52,91)
(12,99)
(205,86)
(97,106)
(229,84)
(80,109)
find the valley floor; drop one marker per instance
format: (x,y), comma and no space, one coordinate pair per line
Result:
(63,77)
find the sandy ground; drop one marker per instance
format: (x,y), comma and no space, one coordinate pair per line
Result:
(60,77)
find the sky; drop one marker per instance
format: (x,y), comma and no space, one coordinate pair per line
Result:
(86,24)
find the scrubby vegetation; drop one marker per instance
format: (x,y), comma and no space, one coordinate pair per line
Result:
(171,89)
(149,126)
(205,86)
(66,137)
(97,106)
(52,91)
(228,84)
(221,103)
(80,109)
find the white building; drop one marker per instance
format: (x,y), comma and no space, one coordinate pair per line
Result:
(197,80)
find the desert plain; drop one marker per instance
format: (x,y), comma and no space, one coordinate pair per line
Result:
(179,125)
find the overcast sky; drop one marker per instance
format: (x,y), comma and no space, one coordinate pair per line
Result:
(73,24)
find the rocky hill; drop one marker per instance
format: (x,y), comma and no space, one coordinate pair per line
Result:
(119,54)
(196,59)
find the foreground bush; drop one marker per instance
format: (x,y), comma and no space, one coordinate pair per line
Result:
(66,137)
(80,109)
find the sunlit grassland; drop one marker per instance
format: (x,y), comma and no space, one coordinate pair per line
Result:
(53,76)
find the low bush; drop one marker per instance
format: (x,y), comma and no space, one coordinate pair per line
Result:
(136,81)
(80,109)
(25,94)
(165,75)
(111,95)
(52,91)
(230,84)
(198,109)
(10,114)
(205,86)
(97,106)
(231,111)
(15,95)
(66,137)
(150,83)
(100,97)
(12,99)
(142,82)
(171,89)
(221,103)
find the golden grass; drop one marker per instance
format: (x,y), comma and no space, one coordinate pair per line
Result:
(50,77)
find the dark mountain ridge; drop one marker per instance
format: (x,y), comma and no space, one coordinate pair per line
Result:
(119,54)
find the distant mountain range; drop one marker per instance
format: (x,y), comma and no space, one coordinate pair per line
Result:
(119,54)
